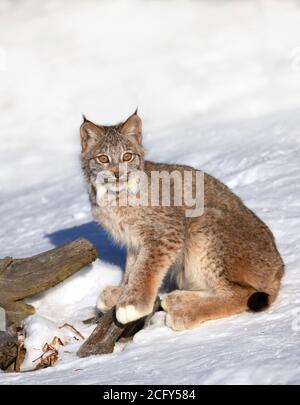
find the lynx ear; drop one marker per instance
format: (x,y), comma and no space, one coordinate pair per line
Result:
(132,128)
(90,134)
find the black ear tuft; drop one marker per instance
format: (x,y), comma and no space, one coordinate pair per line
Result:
(84,118)
(136,111)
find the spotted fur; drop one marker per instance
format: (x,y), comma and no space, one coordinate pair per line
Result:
(219,259)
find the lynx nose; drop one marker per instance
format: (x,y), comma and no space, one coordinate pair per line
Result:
(117,174)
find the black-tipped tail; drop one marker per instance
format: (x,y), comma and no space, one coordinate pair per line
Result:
(258,301)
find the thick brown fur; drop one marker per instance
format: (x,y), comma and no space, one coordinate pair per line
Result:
(220,259)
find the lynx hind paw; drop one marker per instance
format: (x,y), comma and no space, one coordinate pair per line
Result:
(176,322)
(128,314)
(179,314)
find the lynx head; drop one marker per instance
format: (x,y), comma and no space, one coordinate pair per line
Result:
(112,153)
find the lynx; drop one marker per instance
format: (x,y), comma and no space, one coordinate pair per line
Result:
(224,261)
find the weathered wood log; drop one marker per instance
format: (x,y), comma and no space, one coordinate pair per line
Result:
(8,350)
(2,319)
(109,331)
(22,278)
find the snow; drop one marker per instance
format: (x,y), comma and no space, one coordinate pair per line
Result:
(217,85)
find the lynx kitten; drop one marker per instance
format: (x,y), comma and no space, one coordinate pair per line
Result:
(225,260)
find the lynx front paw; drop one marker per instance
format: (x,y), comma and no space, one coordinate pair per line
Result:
(132,307)
(108,298)
(101,304)
(129,313)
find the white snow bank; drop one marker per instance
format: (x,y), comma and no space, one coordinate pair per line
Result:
(176,60)
(72,301)
(246,348)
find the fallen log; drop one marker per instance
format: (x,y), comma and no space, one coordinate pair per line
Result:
(109,331)
(23,278)
(8,350)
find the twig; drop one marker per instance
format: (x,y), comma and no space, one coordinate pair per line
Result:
(67,325)
(20,352)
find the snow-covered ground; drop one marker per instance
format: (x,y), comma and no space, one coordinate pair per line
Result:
(218,87)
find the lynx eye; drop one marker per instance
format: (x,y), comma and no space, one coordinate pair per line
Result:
(127,157)
(102,159)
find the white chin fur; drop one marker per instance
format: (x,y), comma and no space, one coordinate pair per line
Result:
(101,191)
(132,187)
